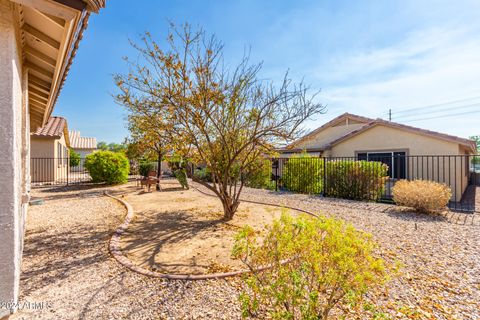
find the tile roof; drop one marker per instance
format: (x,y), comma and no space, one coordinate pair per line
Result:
(78,142)
(369,123)
(54,128)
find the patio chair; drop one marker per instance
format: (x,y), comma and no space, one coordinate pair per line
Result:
(149,180)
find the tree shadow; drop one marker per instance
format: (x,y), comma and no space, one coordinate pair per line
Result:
(151,232)
(63,254)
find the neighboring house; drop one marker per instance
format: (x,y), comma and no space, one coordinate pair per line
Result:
(49,151)
(82,145)
(362,138)
(38,41)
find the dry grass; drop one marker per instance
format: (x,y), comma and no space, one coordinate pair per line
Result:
(424,196)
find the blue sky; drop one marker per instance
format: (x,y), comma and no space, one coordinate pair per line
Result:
(365,56)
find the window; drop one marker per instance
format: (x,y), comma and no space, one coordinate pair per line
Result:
(59,153)
(396,162)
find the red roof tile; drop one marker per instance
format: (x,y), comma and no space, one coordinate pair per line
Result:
(54,128)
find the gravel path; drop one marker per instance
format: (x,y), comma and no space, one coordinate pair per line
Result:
(67,265)
(440,255)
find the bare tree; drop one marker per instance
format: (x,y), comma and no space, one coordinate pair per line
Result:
(228,119)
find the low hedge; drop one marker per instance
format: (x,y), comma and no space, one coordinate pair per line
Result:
(356,180)
(260,176)
(348,179)
(107,166)
(304,174)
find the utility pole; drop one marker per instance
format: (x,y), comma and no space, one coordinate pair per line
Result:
(390,115)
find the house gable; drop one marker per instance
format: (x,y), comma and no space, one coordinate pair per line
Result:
(382,137)
(332,130)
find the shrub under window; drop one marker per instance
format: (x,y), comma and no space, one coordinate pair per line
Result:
(107,166)
(422,195)
(356,180)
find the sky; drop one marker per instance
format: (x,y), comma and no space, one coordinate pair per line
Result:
(421,59)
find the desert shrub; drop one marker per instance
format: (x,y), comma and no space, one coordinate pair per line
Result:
(422,195)
(74,158)
(357,180)
(145,167)
(181,175)
(302,173)
(107,166)
(314,264)
(261,175)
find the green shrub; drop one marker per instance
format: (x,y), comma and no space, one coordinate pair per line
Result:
(314,264)
(145,167)
(74,158)
(422,195)
(304,174)
(357,180)
(203,174)
(261,175)
(107,166)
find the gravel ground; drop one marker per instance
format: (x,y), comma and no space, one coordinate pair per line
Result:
(67,266)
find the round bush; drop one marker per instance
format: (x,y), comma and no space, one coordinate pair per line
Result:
(107,166)
(422,195)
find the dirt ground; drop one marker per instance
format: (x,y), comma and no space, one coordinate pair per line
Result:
(182,231)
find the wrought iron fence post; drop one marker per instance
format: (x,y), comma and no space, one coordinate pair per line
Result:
(277,163)
(68,169)
(324,177)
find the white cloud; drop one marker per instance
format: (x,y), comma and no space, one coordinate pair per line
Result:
(427,67)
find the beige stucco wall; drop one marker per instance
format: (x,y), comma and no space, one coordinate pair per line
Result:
(45,164)
(84,152)
(387,138)
(451,171)
(13,155)
(327,135)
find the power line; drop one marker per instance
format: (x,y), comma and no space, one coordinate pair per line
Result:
(444,116)
(436,105)
(439,110)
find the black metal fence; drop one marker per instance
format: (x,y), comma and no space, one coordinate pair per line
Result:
(368,176)
(371,176)
(63,171)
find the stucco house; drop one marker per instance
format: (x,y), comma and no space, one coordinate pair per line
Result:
(82,145)
(38,41)
(49,151)
(409,152)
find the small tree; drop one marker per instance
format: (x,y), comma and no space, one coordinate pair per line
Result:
(102,145)
(150,122)
(227,119)
(74,158)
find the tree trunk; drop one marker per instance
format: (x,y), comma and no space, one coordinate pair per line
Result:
(159,171)
(229,208)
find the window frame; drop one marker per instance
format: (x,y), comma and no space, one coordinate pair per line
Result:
(392,157)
